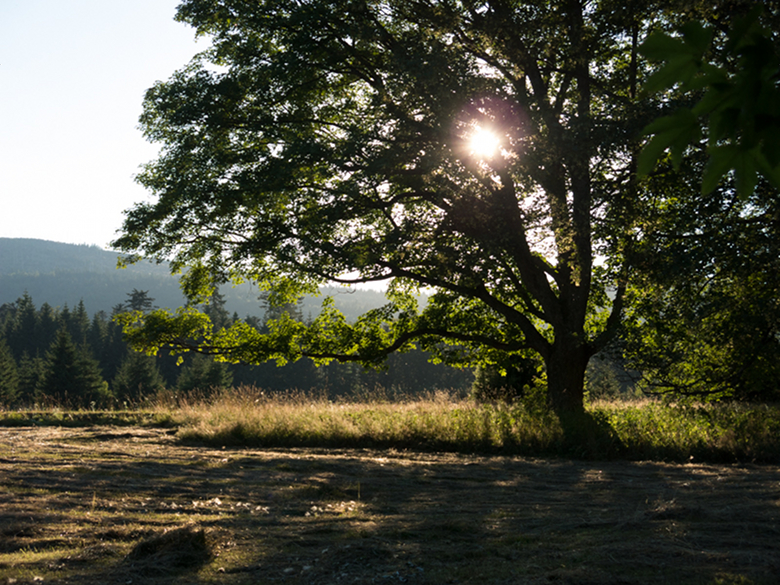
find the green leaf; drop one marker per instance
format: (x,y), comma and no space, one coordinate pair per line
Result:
(673,132)
(715,99)
(740,31)
(721,161)
(770,172)
(680,69)
(661,47)
(650,154)
(697,36)
(746,171)
(682,117)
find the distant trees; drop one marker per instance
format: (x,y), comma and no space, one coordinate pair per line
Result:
(138,376)
(71,376)
(9,377)
(59,355)
(22,331)
(203,373)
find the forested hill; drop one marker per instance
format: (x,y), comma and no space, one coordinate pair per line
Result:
(63,274)
(28,256)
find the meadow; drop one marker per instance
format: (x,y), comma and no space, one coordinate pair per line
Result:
(242,487)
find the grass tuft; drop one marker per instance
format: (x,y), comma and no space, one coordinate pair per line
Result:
(170,552)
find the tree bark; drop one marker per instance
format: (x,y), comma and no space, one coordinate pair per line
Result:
(566,366)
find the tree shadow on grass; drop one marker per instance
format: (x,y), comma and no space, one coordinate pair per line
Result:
(369,516)
(589,436)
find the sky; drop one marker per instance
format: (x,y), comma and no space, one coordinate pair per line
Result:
(72,79)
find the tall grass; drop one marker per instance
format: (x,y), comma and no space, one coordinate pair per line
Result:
(724,432)
(440,421)
(637,429)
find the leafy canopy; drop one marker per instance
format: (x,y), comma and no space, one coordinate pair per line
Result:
(332,141)
(705,303)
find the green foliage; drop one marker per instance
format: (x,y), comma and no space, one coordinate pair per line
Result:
(138,377)
(507,381)
(134,376)
(705,319)
(71,376)
(330,142)
(9,377)
(602,380)
(139,300)
(30,371)
(203,373)
(21,330)
(737,96)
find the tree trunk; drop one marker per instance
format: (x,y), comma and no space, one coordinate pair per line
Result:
(566,366)
(584,435)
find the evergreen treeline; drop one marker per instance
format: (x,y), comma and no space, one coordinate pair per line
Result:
(63,356)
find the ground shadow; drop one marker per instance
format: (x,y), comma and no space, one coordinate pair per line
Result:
(588,435)
(347,516)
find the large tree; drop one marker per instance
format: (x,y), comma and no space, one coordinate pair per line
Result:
(486,150)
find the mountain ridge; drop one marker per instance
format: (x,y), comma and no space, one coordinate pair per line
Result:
(63,274)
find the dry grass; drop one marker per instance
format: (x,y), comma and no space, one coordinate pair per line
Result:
(438,422)
(638,430)
(109,505)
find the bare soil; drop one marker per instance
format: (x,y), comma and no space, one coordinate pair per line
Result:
(134,505)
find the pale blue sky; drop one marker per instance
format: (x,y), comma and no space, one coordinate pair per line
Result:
(72,78)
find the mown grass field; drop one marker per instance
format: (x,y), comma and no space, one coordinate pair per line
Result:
(251,489)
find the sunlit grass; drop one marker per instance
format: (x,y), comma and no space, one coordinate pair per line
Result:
(437,421)
(714,432)
(636,429)
(633,429)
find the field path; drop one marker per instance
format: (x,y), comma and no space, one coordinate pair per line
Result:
(75,502)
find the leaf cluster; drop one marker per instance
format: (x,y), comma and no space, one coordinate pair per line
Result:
(736,82)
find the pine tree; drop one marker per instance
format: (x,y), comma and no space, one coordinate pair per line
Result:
(215,309)
(114,349)
(79,324)
(94,389)
(203,373)
(71,376)
(21,337)
(274,311)
(138,377)
(139,300)
(9,378)
(60,379)
(47,328)
(7,313)
(30,371)
(97,335)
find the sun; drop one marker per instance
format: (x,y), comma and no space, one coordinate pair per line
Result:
(483,143)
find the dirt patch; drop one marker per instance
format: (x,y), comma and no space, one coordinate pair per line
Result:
(94,505)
